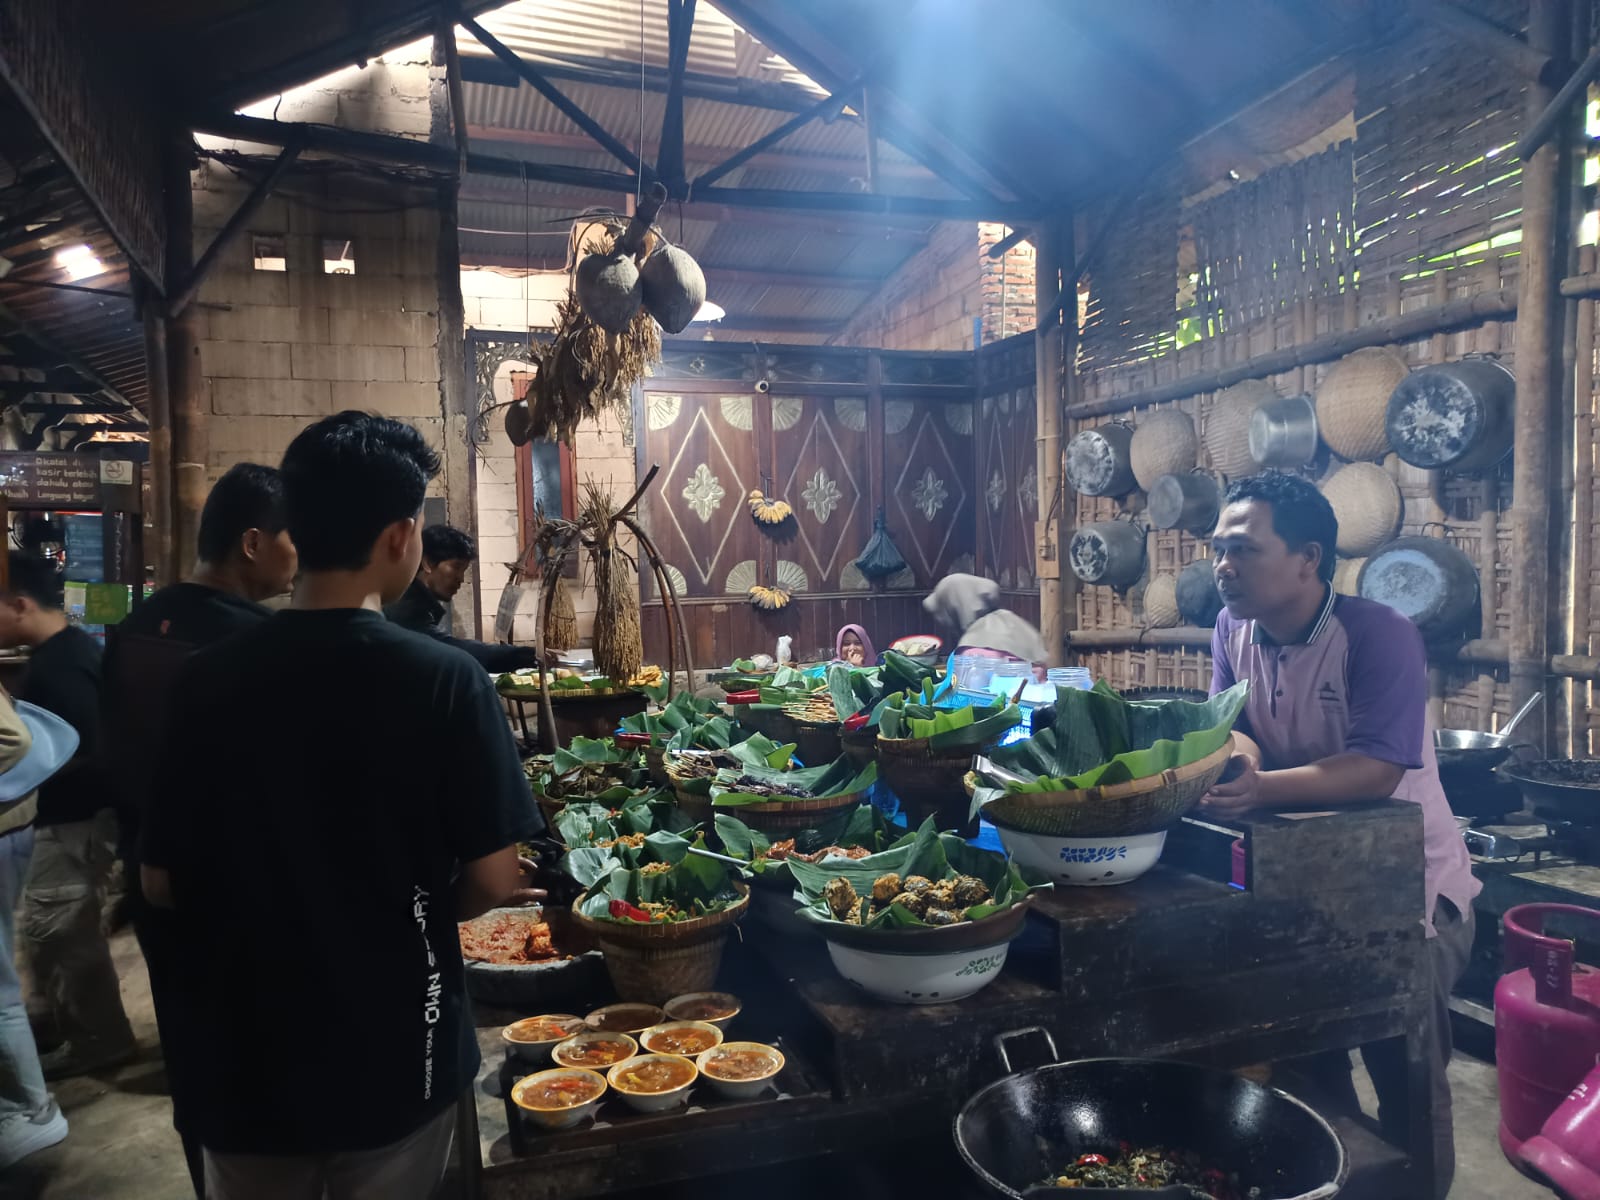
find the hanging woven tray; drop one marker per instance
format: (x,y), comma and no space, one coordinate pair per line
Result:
(1117,810)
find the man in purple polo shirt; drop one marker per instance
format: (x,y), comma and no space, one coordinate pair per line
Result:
(1337,715)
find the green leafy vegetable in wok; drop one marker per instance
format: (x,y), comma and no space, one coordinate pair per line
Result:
(1099,738)
(938,859)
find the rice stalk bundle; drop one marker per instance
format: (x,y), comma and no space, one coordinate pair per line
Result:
(618,649)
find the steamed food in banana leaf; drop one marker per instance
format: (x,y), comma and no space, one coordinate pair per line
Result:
(855,834)
(589,768)
(691,887)
(946,730)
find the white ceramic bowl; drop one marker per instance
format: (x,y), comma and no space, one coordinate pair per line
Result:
(682,1008)
(624,1018)
(919,978)
(561,1054)
(650,1041)
(558,1118)
(1084,861)
(538,1053)
(741,1089)
(652,1102)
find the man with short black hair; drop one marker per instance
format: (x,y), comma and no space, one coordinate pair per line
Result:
(377,827)
(1337,714)
(447,555)
(60,928)
(245,557)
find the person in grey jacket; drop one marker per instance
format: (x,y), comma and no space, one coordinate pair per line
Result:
(970,605)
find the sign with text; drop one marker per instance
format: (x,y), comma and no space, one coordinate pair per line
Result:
(50,480)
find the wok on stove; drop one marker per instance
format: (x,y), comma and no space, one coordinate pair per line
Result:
(1024,1128)
(1567,788)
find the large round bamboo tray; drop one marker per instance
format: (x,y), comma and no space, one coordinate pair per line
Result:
(928,784)
(1117,810)
(1353,402)
(1164,443)
(650,964)
(1347,576)
(1368,505)
(1227,436)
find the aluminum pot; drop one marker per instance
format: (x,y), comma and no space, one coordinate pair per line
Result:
(1426,579)
(1199,602)
(1456,415)
(1283,432)
(1100,460)
(1109,553)
(1189,502)
(1021,1130)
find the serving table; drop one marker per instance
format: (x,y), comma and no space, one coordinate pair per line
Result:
(1322,949)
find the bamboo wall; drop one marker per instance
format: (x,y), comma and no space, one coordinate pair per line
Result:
(1420,209)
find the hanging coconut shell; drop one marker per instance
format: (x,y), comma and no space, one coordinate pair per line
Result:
(609,290)
(1227,426)
(519,423)
(1164,443)
(674,287)
(1347,576)
(1353,402)
(1161,602)
(1367,504)
(562,631)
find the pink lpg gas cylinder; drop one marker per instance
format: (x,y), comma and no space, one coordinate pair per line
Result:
(1546,1021)
(1567,1150)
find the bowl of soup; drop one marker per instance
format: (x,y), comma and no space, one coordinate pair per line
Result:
(653,1082)
(596,1051)
(559,1098)
(532,1038)
(688,1038)
(624,1018)
(740,1070)
(719,1008)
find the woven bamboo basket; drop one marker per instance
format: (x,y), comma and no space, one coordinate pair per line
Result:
(1347,576)
(1161,602)
(928,784)
(1164,443)
(1117,810)
(1227,425)
(548,809)
(817,745)
(1368,506)
(785,816)
(655,761)
(1353,400)
(772,722)
(860,746)
(650,964)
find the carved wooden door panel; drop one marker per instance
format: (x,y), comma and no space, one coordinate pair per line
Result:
(822,464)
(929,466)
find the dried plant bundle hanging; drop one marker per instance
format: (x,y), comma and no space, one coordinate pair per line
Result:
(618,650)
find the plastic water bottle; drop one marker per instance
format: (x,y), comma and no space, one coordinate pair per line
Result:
(785,653)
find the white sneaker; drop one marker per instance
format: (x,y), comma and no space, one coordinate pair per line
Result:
(22,1135)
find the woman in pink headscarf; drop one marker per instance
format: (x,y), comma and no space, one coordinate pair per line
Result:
(854,648)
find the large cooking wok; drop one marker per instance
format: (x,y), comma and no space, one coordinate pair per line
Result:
(1469,750)
(1022,1129)
(1561,787)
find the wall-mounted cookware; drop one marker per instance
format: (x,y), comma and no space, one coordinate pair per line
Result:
(1456,415)
(1099,461)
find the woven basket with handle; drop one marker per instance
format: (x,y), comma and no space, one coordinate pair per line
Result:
(1161,602)
(1117,810)
(650,964)
(1227,425)
(1367,504)
(1164,443)
(1353,402)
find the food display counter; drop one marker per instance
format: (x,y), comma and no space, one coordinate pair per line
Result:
(1319,949)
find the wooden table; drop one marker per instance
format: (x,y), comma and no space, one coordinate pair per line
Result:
(1323,950)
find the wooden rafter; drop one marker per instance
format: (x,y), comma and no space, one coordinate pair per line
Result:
(833,103)
(670,162)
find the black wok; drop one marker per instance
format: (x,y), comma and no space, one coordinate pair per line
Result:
(1024,1128)
(1562,787)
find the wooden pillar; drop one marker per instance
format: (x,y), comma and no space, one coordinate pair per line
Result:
(1539,324)
(1055,343)
(159,415)
(186,386)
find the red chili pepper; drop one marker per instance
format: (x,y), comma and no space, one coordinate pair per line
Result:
(621,908)
(1094,1160)
(749,697)
(857,721)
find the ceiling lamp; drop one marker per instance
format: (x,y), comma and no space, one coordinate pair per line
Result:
(709,312)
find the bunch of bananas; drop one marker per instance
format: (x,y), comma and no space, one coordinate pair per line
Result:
(769,599)
(769,512)
(650,676)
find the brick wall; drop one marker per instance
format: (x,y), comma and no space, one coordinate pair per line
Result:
(1006,285)
(929,302)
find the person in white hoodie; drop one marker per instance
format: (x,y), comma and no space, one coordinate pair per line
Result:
(970,605)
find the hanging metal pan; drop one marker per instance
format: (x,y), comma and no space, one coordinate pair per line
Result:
(1100,460)
(1425,578)
(1456,415)
(1189,502)
(1109,553)
(1283,432)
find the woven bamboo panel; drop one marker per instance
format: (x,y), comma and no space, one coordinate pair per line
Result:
(1433,170)
(1474,700)
(1133,288)
(1150,667)
(1269,244)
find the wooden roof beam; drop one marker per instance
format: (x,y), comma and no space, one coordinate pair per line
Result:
(1483,34)
(670,165)
(833,103)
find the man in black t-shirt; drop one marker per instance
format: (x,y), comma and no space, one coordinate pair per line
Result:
(447,555)
(318,867)
(59,930)
(245,556)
